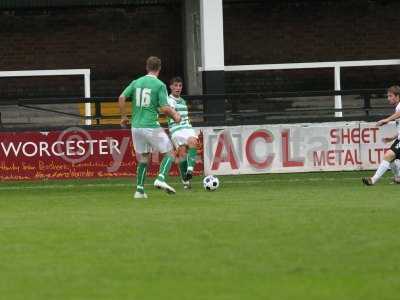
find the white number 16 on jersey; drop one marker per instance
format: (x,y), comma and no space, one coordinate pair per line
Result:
(143,97)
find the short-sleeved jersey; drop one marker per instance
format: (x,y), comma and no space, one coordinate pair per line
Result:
(181,108)
(148,94)
(398,121)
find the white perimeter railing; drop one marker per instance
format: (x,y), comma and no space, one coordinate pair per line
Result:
(315,65)
(66,72)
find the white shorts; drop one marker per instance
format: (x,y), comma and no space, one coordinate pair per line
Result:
(147,139)
(181,137)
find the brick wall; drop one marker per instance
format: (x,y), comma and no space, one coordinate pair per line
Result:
(113,42)
(311,31)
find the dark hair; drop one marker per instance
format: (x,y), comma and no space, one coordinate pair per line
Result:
(153,63)
(175,79)
(395,89)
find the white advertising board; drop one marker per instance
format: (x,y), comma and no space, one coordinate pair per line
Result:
(287,148)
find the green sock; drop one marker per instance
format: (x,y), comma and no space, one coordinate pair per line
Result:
(140,176)
(165,166)
(191,158)
(182,168)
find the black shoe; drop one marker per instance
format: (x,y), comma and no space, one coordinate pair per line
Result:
(367,181)
(395,180)
(187,185)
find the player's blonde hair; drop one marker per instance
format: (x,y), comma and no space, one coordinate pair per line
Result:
(153,63)
(395,90)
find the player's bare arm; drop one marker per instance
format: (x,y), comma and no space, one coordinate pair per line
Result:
(389,139)
(124,119)
(393,117)
(169,111)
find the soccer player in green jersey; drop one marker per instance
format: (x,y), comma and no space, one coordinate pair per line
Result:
(182,134)
(149,97)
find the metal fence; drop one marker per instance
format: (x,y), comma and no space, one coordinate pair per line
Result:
(254,108)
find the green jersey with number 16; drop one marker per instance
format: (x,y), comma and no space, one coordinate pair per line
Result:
(148,94)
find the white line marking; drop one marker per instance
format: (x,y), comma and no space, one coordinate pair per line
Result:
(40,186)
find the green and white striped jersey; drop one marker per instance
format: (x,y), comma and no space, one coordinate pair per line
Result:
(180,106)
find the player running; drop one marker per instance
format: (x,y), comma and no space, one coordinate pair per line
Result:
(389,160)
(149,97)
(182,134)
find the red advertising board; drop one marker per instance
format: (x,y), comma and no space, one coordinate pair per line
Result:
(72,153)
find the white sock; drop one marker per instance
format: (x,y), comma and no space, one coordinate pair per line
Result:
(383,167)
(395,166)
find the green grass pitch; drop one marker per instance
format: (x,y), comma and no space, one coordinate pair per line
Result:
(283,236)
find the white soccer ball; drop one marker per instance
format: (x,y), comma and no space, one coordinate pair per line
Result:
(210,183)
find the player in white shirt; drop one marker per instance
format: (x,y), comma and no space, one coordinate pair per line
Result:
(182,134)
(390,160)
